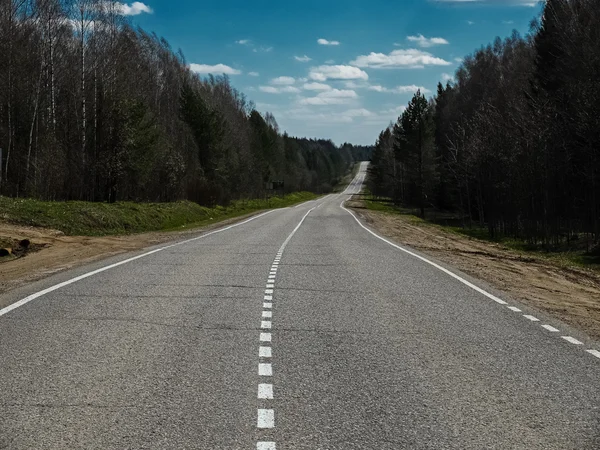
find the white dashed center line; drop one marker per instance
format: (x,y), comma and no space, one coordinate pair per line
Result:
(265,418)
(532,318)
(572,340)
(265,370)
(514,308)
(265,391)
(550,328)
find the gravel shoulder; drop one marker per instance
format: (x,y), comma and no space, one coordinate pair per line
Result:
(569,294)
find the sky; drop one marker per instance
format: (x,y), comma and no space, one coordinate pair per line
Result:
(333,69)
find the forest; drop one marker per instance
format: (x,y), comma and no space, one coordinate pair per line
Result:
(513,143)
(94,109)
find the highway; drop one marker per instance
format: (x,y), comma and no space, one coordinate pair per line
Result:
(295,329)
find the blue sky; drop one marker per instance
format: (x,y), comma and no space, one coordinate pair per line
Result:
(330,68)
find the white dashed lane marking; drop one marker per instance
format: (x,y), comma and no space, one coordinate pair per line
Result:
(264,352)
(514,308)
(572,340)
(596,353)
(550,328)
(265,370)
(265,391)
(532,318)
(266,418)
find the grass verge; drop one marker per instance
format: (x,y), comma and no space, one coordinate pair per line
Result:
(100,219)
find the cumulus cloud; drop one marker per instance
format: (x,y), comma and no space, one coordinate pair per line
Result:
(408,58)
(243,42)
(279,89)
(326,42)
(216,69)
(339,72)
(424,42)
(316,87)
(447,77)
(302,58)
(283,81)
(134,9)
(400,89)
(332,97)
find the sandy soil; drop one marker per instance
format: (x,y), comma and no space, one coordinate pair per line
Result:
(54,252)
(569,294)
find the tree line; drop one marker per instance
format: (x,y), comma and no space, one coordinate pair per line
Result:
(92,108)
(513,144)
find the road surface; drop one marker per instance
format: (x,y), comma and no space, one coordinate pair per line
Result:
(297,329)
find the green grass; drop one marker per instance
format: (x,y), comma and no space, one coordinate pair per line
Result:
(561,257)
(101,219)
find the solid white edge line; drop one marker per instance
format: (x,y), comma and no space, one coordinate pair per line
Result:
(437,266)
(31,297)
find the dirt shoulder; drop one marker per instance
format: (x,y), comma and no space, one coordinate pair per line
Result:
(52,251)
(569,294)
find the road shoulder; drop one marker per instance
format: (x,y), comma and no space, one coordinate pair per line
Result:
(567,294)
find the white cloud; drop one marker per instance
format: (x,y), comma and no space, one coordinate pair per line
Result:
(324,73)
(326,42)
(317,87)
(409,58)
(362,112)
(330,61)
(355,85)
(134,9)
(243,42)
(253,74)
(508,22)
(279,90)
(216,69)
(424,42)
(447,77)
(262,49)
(459,60)
(470,22)
(283,81)
(332,97)
(302,58)
(400,89)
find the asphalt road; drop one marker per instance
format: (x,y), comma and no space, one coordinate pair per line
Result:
(298,329)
